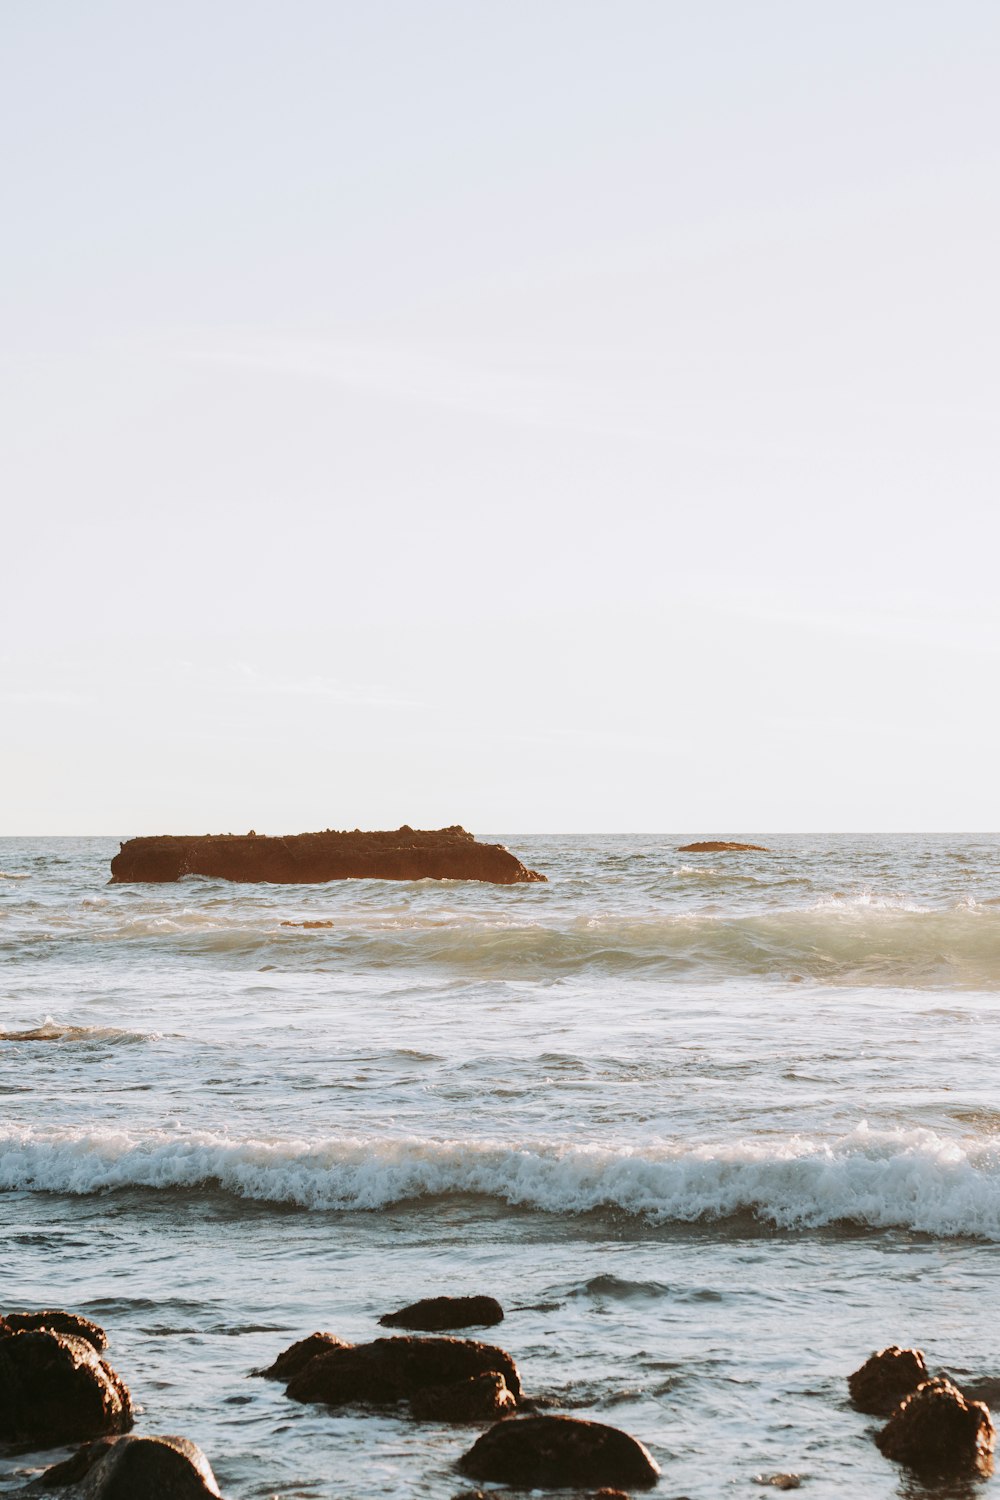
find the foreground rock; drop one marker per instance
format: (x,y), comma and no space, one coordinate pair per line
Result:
(129,1468)
(59,1322)
(303,858)
(935,1430)
(434,1314)
(885,1378)
(55,1388)
(401,1369)
(559,1451)
(717,846)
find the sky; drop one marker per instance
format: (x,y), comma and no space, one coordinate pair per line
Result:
(541,415)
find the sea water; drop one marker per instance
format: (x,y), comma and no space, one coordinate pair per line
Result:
(711,1126)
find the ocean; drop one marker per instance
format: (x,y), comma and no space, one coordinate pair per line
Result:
(712,1127)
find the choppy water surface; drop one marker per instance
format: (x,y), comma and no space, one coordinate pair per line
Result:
(711,1127)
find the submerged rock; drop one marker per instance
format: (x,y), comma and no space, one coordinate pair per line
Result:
(403,854)
(718,846)
(559,1451)
(432,1314)
(390,1370)
(59,1322)
(131,1468)
(482,1398)
(55,1388)
(888,1375)
(935,1430)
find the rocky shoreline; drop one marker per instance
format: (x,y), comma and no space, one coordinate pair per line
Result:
(314,858)
(56,1389)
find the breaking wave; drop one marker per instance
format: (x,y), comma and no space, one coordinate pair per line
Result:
(858,940)
(897,1179)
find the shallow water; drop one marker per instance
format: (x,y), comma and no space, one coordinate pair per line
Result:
(712,1127)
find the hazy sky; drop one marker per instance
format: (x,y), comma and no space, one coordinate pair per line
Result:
(535,414)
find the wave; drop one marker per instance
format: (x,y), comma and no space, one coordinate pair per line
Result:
(912,1180)
(863,939)
(14,875)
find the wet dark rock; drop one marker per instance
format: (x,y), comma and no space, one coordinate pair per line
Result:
(295,1358)
(935,1430)
(133,1468)
(885,1378)
(55,1388)
(390,1370)
(59,1322)
(559,1451)
(718,846)
(483,1398)
(304,858)
(434,1314)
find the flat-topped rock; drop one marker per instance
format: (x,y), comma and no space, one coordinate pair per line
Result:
(312,858)
(718,846)
(434,1314)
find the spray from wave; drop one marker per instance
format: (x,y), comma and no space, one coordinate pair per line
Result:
(914,1180)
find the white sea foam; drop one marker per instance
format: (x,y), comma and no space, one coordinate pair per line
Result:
(909,1179)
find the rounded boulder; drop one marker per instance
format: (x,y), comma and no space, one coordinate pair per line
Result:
(55,1388)
(125,1468)
(936,1430)
(888,1375)
(554,1451)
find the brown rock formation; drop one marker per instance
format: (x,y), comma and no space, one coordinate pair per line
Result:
(885,1378)
(483,1398)
(557,1452)
(295,1358)
(55,1388)
(433,1314)
(937,1431)
(59,1322)
(313,858)
(390,1370)
(717,846)
(171,1468)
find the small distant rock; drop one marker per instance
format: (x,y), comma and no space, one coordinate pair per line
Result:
(59,1322)
(779,1481)
(935,1430)
(434,1314)
(885,1378)
(127,1468)
(295,1358)
(55,1388)
(555,1451)
(482,1398)
(718,846)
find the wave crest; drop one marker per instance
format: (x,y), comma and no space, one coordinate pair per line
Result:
(914,1180)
